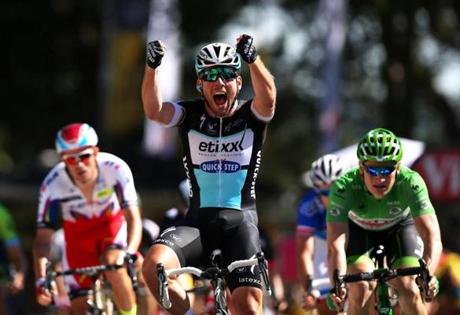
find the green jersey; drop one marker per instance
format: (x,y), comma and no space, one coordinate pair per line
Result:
(8,238)
(350,200)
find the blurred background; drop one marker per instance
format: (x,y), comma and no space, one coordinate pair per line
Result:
(341,68)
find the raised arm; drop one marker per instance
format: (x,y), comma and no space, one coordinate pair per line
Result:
(262,80)
(154,107)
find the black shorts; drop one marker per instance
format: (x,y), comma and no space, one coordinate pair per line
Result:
(401,243)
(234,232)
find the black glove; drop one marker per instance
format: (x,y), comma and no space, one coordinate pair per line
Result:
(155,52)
(246,49)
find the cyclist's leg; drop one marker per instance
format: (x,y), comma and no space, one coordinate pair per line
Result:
(242,242)
(145,301)
(120,283)
(174,248)
(79,285)
(79,301)
(404,250)
(359,293)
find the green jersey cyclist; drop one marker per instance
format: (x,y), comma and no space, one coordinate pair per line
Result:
(222,139)
(381,202)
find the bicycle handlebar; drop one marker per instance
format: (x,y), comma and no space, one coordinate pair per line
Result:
(92,271)
(386,274)
(209,274)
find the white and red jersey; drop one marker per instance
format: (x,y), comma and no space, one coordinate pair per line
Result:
(89,227)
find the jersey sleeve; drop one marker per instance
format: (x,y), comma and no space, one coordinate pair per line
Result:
(337,210)
(124,185)
(7,229)
(48,206)
(178,117)
(417,196)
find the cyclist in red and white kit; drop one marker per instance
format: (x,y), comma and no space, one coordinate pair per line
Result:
(94,193)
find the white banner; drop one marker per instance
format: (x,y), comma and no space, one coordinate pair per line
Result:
(163,25)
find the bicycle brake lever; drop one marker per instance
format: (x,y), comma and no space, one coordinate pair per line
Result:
(130,259)
(163,286)
(263,267)
(423,281)
(48,277)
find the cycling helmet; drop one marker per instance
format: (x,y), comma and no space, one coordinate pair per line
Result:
(324,171)
(75,136)
(217,54)
(380,145)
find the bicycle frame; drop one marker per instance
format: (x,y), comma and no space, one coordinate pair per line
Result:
(216,275)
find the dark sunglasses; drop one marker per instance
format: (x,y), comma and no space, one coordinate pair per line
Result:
(379,170)
(226,73)
(77,158)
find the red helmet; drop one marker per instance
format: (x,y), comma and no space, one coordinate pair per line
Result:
(75,136)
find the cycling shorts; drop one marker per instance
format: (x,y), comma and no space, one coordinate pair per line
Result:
(234,232)
(402,244)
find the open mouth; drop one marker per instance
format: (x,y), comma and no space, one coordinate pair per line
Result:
(220,98)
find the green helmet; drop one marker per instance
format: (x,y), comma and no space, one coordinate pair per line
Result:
(380,145)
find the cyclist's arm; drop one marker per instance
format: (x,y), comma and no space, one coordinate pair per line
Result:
(336,243)
(41,251)
(133,219)
(428,228)
(152,100)
(263,84)
(305,249)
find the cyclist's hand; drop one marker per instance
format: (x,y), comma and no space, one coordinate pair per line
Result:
(336,302)
(155,52)
(433,289)
(43,295)
(308,301)
(246,49)
(17,284)
(281,306)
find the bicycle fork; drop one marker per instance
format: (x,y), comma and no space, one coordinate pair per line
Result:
(219,297)
(383,304)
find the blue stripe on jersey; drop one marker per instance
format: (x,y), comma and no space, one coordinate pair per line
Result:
(221,189)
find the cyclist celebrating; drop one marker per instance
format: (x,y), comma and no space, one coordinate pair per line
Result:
(311,230)
(381,202)
(222,138)
(96,197)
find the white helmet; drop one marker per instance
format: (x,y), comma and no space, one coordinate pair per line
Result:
(217,54)
(324,171)
(75,136)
